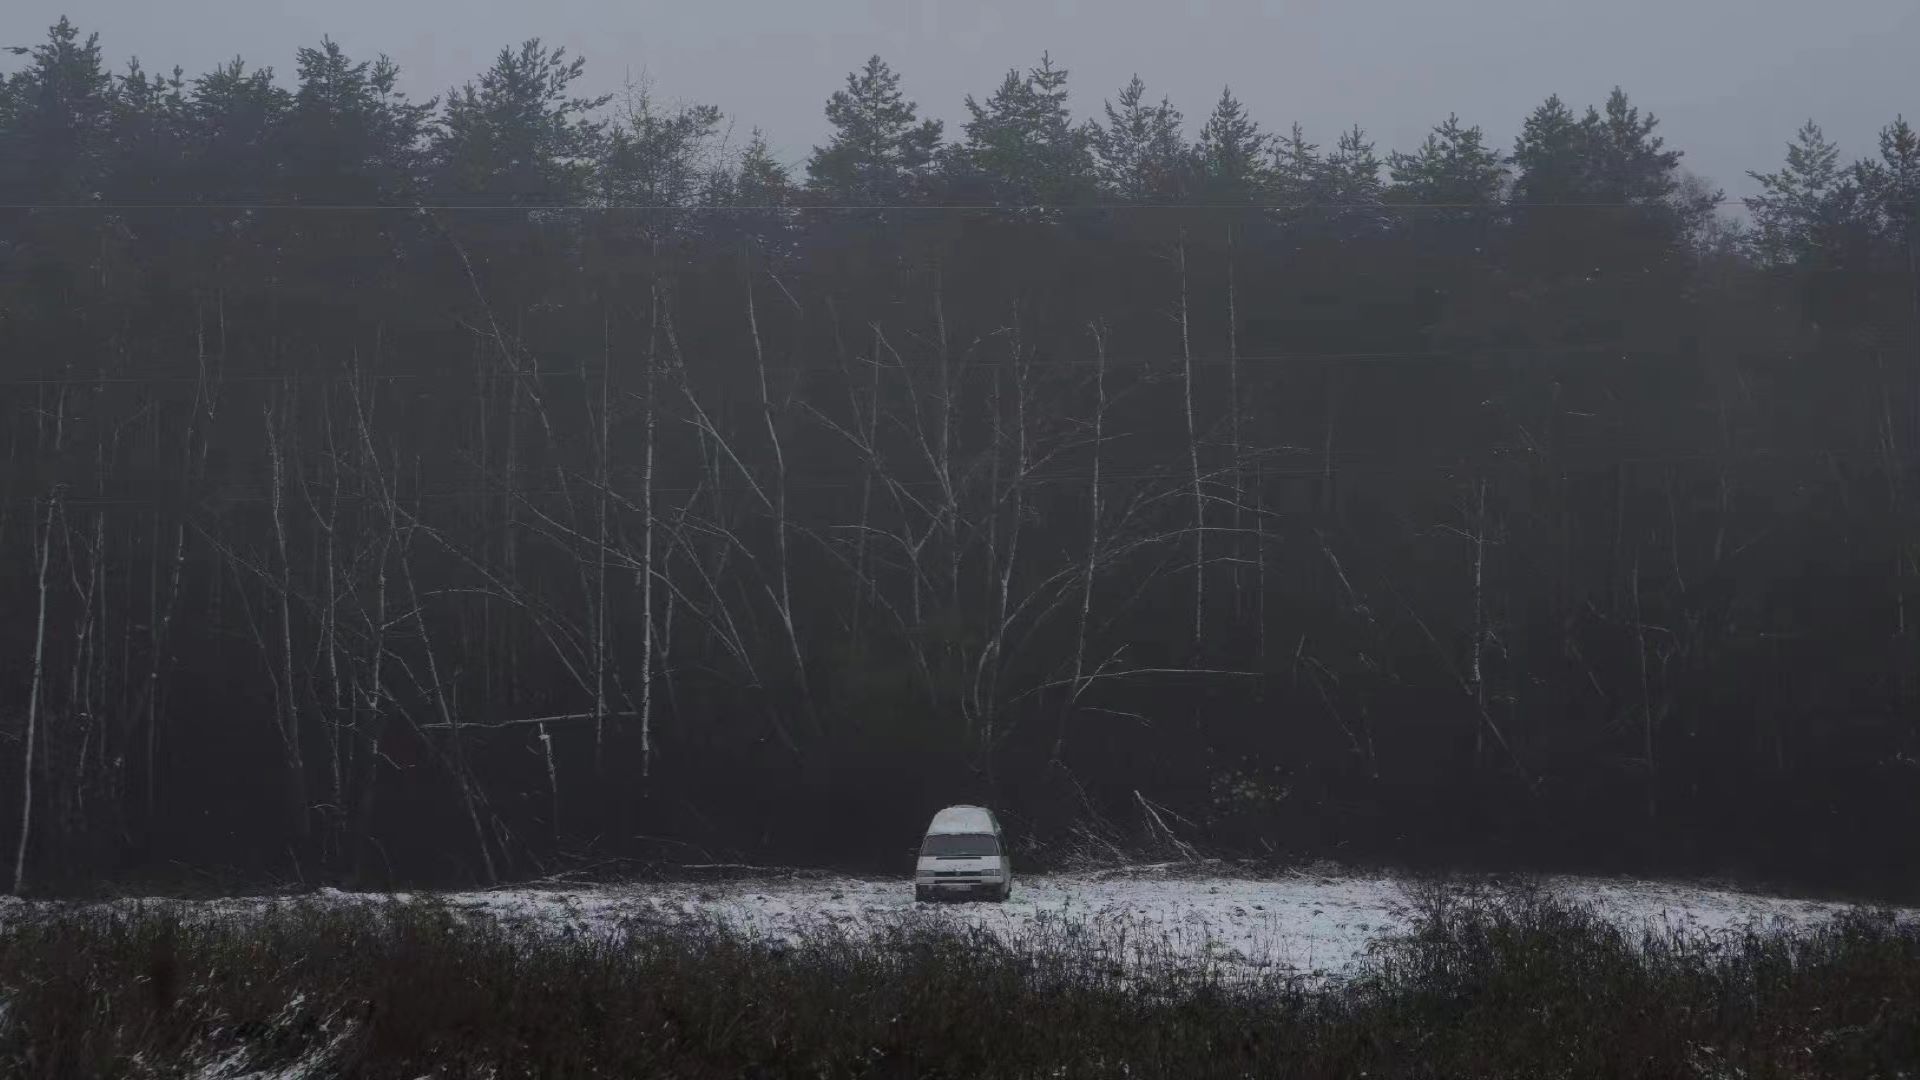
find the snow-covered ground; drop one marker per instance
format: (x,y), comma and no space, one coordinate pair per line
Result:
(1311,925)
(1306,925)
(1315,926)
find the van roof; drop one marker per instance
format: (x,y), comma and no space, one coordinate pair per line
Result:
(963,819)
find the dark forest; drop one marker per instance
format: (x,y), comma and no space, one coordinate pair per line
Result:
(462,490)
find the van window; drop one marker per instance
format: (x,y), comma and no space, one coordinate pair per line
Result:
(960,844)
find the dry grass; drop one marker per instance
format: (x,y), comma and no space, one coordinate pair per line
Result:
(1492,984)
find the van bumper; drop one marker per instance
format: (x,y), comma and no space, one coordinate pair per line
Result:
(948,890)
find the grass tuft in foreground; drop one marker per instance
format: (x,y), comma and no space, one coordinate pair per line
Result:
(1508,984)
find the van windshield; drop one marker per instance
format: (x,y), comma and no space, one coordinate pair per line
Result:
(960,844)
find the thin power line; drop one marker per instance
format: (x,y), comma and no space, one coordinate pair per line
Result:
(1464,353)
(908,207)
(1308,471)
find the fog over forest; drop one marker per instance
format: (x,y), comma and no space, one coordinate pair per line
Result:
(462,490)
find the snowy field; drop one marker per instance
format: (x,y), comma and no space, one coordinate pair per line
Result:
(1310,925)
(1313,927)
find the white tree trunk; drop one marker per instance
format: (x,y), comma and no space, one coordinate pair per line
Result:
(1193,462)
(289,703)
(33,706)
(1233,424)
(781,569)
(1479,619)
(1079,682)
(646,552)
(600,578)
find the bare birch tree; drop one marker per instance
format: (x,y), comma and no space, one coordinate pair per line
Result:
(286,690)
(33,701)
(1193,457)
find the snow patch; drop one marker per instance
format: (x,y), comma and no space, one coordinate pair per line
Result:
(1314,927)
(962,820)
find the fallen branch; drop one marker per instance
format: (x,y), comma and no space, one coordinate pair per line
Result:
(468,725)
(1186,850)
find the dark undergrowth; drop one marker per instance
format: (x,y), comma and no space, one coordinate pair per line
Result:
(1506,984)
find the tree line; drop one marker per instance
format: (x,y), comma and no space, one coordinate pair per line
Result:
(468,488)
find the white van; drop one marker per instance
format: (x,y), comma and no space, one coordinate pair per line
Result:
(962,855)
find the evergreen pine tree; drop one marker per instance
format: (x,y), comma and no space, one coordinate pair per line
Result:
(1231,157)
(755,189)
(1139,153)
(1453,167)
(237,115)
(1549,156)
(1022,145)
(518,134)
(350,136)
(1352,170)
(1890,188)
(152,129)
(880,152)
(1298,170)
(1795,216)
(759,179)
(56,120)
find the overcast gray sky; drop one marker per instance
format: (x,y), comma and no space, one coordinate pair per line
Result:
(1730,79)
